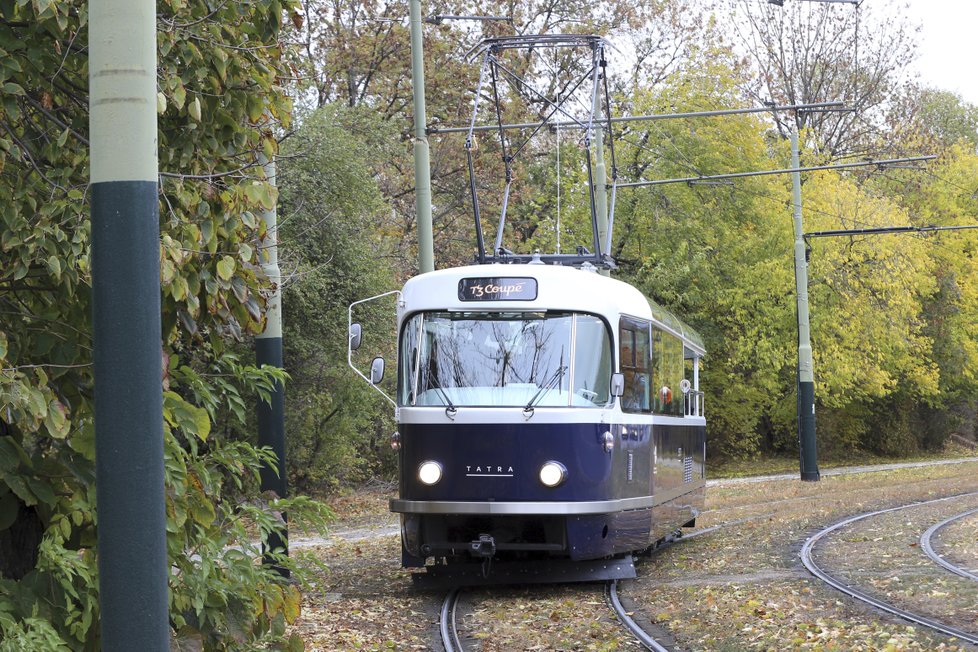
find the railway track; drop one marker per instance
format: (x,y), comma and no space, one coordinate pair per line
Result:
(447,625)
(925,545)
(643,637)
(854,592)
(452,642)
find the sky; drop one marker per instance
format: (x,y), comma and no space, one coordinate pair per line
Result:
(948,44)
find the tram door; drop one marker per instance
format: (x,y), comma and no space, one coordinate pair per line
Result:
(636,434)
(672,441)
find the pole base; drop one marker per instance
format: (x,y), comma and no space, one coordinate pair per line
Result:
(811,477)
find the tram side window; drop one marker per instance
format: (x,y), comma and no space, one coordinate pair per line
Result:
(634,353)
(667,372)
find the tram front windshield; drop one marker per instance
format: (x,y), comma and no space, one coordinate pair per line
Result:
(524,359)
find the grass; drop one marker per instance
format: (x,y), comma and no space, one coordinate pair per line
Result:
(774,464)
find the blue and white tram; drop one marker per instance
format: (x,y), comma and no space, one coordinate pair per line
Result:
(544,411)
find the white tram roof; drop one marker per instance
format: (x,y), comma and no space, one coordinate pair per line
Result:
(556,288)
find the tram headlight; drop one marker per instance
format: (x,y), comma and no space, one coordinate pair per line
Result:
(429,472)
(552,474)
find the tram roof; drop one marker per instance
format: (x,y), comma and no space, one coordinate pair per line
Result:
(557,288)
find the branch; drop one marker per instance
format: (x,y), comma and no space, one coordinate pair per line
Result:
(46,366)
(175,25)
(27,153)
(215,175)
(37,105)
(239,48)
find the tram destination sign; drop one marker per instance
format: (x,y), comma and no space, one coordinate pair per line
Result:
(497,289)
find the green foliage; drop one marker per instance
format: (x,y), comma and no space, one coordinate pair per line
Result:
(219,595)
(722,258)
(334,244)
(220,106)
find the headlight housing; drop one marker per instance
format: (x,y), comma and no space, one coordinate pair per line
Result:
(552,474)
(429,472)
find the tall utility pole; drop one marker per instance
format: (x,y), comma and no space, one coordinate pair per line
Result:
(422,166)
(268,351)
(806,376)
(132,560)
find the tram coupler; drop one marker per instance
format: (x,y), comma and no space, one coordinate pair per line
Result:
(484,546)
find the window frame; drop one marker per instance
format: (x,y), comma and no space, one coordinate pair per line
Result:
(401,393)
(642,397)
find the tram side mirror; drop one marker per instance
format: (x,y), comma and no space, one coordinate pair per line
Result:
(356,335)
(376,371)
(617,385)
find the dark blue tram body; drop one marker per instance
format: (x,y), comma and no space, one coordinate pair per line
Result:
(543,412)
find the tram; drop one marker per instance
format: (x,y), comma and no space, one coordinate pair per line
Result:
(544,412)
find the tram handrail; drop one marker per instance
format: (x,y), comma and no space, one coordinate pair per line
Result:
(693,403)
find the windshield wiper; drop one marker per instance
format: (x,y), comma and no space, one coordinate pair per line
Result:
(444,396)
(451,410)
(549,385)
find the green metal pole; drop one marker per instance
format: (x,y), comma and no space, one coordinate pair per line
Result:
(126,324)
(422,166)
(806,376)
(268,351)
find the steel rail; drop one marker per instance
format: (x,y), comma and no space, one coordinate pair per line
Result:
(925,545)
(649,643)
(814,569)
(449,632)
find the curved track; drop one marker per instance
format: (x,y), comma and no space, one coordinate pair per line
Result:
(925,545)
(814,569)
(452,643)
(643,637)
(449,633)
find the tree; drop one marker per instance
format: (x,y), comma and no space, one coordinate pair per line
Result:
(869,297)
(932,120)
(219,105)
(944,196)
(335,251)
(808,52)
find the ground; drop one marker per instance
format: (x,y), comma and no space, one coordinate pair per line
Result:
(738,587)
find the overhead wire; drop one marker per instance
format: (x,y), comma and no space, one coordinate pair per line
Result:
(928,240)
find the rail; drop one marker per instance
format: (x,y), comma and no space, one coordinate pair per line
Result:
(447,625)
(838,584)
(643,637)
